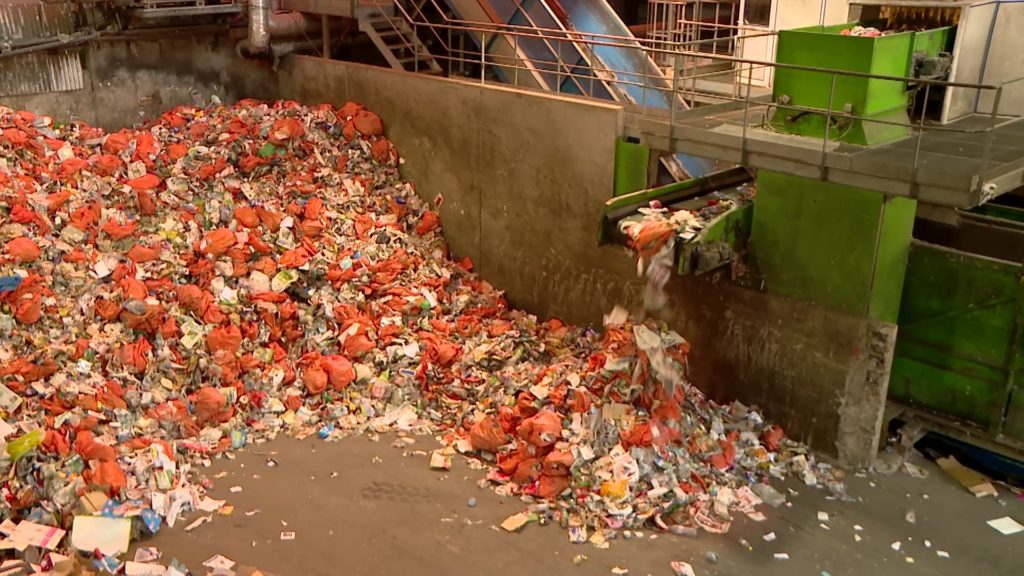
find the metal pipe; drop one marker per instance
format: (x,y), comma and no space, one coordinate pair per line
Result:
(266,23)
(259,26)
(277,48)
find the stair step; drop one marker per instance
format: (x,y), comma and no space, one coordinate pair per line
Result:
(402,45)
(421,58)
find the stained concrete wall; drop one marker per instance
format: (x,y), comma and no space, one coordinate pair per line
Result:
(128,82)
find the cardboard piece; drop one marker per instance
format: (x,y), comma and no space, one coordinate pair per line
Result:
(514,522)
(110,535)
(974,482)
(91,503)
(33,534)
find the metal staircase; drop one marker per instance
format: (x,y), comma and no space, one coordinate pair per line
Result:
(397,41)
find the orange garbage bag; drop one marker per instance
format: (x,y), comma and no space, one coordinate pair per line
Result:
(486,434)
(294,258)
(356,346)
(509,461)
(272,220)
(381,151)
(190,297)
(284,130)
(135,356)
(228,338)
(314,379)
(147,182)
(28,310)
(550,487)
(118,231)
(55,443)
(558,462)
(23,249)
(91,449)
(217,242)
(339,371)
(109,476)
(368,123)
(147,205)
(247,216)
(209,402)
(348,110)
(428,223)
(139,254)
(528,471)
(542,429)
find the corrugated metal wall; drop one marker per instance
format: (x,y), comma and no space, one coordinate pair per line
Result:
(27,22)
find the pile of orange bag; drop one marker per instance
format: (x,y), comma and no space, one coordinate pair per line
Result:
(168,293)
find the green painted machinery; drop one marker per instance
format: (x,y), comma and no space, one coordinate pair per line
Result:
(853,109)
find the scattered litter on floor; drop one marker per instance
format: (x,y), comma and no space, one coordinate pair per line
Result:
(822,516)
(1006,525)
(287,535)
(781,556)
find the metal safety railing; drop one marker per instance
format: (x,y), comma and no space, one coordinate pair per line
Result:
(473,59)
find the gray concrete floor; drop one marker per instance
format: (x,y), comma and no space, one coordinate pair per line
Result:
(387,514)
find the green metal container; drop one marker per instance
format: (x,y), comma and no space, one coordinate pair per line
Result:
(858,105)
(960,348)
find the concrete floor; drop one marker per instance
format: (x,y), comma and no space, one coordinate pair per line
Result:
(387,514)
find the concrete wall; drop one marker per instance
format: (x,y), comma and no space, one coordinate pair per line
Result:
(127,82)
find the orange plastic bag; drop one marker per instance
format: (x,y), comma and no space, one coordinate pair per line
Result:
(314,379)
(28,310)
(486,434)
(134,356)
(272,220)
(284,130)
(428,223)
(118,231)
(91,449)
(294,258)
(368,123)
(227,338)
(558,462)
(147,206)
(528,471)
(139,254)
(23,249)
(339,371)
(541,430)
(217,242)
(110,476)
(147,182)
(247,216)
(208,403)
(356,346)
(550,487)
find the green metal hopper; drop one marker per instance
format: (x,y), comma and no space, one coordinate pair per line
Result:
(858,105)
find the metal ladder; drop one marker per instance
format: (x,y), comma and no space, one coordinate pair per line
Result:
(397,41)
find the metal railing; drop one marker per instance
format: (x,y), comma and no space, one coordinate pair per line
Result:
(683,86)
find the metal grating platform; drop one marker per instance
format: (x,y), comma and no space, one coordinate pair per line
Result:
(961,164)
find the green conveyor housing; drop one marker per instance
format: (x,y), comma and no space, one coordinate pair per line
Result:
(863,110)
